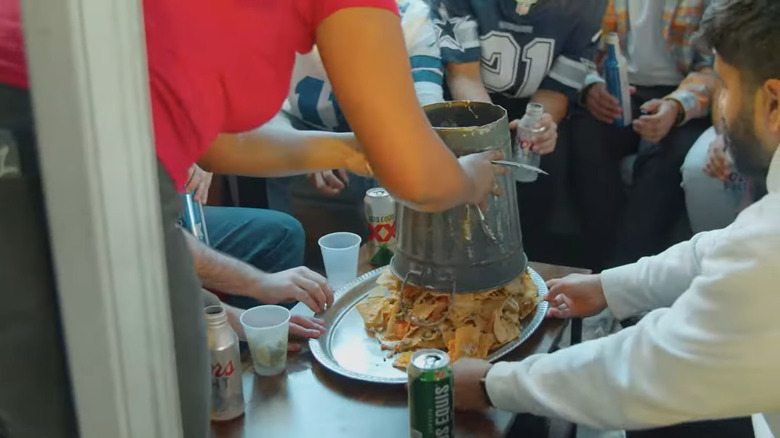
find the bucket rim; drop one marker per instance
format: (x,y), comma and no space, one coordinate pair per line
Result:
(466,103)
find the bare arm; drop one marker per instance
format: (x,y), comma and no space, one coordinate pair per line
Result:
(556,104)
(465,82)
(364,54)
(220,272)
(277,149)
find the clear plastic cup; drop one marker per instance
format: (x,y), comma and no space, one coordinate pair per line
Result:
(266,330)
(340,255)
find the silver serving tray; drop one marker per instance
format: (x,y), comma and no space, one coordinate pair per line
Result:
(347,348)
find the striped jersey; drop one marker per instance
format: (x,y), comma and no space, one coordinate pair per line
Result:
(311,99)
(550,47)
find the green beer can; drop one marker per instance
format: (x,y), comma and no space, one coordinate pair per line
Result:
(431,404)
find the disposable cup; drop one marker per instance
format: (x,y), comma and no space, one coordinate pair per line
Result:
(340,255)
(266,329)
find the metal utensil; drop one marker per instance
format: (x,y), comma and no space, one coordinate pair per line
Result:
(485,227)
(520,166)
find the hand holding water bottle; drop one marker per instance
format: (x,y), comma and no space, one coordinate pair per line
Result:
(545,134)
(537,134)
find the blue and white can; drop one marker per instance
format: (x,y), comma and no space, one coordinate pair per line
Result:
(616,76)
(193,219)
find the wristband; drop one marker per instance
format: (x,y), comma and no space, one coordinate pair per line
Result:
(680,112)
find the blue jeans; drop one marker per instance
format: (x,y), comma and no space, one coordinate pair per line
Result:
(268,240)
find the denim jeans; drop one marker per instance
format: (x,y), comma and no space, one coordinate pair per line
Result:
(655,202)
(712,204)
(268,240)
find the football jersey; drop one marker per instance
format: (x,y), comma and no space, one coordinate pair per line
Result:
(551,47)
(311,99)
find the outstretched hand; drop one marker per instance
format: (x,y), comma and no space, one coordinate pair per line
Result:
(303,328)
(575,296)
(296,284)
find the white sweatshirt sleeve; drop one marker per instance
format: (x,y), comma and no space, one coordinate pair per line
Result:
(715,353)
(655,282)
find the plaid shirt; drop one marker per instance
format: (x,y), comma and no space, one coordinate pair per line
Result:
(680,21)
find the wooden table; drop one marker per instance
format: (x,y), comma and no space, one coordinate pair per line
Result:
(311,402)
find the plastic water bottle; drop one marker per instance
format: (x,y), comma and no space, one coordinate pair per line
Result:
(616,75)
(524,148)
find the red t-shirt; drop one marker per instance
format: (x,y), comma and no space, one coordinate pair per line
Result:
(214,66)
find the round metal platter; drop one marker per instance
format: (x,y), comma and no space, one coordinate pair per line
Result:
(347,349)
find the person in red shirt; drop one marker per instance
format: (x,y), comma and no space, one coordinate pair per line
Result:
(217,71)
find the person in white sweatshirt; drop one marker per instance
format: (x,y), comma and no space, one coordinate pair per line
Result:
(710,346)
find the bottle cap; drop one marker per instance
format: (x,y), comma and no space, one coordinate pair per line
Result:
(534,109)
(215,315)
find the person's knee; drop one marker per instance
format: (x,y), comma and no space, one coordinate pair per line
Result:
(294,234)
(696,183)
(692,169)
(285,230)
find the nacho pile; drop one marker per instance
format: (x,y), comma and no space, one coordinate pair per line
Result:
(476,324)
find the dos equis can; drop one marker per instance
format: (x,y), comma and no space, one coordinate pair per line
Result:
(380,214)
(431,404)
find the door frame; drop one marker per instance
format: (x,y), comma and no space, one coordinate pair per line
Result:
(90,97)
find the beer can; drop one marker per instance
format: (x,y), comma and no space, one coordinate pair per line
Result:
(616,77)
(380,214)
(193,219)
(227,389)
(431,403)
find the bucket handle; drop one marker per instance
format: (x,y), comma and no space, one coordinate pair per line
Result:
(423,322)
(484,225)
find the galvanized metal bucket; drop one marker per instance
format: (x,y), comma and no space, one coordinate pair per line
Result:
(452,251)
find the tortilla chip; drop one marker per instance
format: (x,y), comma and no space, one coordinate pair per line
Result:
(505,329)
(466,342)
(471,325)
(447,334)
(527,307)
(388,280)
(424,310)
(400,329)
(402,360)
(486,341)
(516,286)
(371,310)
(529,288)
(423,337)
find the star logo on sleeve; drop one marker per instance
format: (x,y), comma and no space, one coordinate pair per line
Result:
(448,29)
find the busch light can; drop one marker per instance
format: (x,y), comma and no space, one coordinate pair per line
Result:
(431,401)
(193,219)
(227,390)
(380,214)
